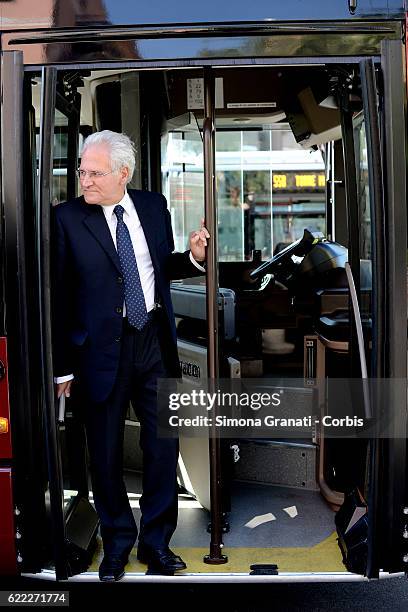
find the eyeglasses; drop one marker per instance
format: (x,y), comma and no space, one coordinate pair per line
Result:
(93,174)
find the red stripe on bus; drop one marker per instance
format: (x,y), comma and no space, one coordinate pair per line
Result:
(8,557)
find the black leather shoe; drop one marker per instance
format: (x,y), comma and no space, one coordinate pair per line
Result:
(160,560)
(112,568)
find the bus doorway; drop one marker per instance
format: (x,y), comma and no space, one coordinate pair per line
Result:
(292,152)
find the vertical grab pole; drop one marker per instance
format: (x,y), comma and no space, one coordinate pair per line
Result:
(215,557)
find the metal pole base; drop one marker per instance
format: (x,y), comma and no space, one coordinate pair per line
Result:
(215,560)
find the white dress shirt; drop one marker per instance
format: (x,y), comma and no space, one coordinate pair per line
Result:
(143,259)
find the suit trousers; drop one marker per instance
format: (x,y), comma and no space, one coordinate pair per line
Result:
(140,367)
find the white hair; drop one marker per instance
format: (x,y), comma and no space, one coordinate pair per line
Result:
(121,149)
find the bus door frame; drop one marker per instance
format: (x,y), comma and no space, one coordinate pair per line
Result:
(386,139)
(376,516)
(29,471)
(384,116)
(71,548)
(46,143)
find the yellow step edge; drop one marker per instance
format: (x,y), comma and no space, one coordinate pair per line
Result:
(322,557)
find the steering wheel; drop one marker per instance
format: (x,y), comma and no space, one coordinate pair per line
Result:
(282,259)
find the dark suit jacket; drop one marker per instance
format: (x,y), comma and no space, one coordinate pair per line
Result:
(88,289)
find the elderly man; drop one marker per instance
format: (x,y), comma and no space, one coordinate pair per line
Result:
(114,337)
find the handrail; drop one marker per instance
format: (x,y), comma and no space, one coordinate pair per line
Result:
(360,339)
(357,320)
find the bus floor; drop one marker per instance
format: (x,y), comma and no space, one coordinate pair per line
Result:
(297,534)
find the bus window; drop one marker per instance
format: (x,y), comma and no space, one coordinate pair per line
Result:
(363,187)
(60,154)
(269,188)
(183,181)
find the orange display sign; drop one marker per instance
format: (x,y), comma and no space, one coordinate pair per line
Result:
(298,181)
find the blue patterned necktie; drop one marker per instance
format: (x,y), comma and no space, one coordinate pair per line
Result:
(134,298)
